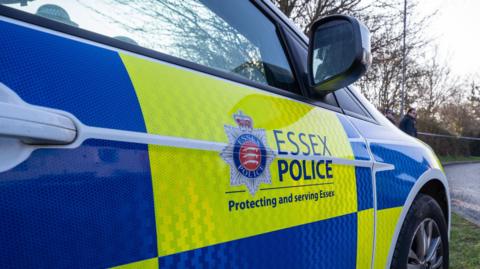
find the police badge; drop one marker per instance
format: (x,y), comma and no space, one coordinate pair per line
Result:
(247,153)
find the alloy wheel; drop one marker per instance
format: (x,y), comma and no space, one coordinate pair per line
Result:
(426,247)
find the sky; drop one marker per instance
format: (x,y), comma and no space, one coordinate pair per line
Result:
(456,33)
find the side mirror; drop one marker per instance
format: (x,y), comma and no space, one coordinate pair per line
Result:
(338,54)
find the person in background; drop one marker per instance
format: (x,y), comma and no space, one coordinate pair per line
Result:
(390,116)
(409,121)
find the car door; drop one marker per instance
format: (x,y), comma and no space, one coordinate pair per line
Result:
(177,137)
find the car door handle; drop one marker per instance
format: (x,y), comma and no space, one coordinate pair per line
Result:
(34,125)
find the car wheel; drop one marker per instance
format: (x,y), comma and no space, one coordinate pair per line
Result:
(423,240)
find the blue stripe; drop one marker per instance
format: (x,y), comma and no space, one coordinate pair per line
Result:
(89,207)
(363,177)
(393,186)
(364,188)
(330,243)
(89,82)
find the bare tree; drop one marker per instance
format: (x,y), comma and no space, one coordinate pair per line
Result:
(384,19)
(305,12)
(435,85)
(441,98)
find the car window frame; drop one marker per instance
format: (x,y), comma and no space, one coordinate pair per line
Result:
(87,36)
(367,117)
(289,24)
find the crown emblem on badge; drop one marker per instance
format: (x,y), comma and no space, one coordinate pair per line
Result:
(244,122)
(247,153)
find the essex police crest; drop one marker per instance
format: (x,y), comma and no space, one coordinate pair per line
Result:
(247,153)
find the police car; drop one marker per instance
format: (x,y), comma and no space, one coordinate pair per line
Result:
(203,134)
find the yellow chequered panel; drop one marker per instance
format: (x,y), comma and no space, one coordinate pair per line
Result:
(192,206)
(386,223)
(195,204)
(145,264)
(365,238)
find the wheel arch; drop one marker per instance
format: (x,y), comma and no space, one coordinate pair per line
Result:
(434,183)
(437,191)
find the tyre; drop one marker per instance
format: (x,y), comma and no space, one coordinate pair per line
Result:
(423,240)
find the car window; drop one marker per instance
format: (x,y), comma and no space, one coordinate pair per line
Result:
(348,102)
(232,36)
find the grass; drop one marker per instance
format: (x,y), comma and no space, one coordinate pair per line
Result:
(444,159)
(464,244)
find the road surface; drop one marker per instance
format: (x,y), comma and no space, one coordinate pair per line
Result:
(464,183)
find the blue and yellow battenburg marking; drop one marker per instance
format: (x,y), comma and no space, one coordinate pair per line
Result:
(213,203)
(180,204)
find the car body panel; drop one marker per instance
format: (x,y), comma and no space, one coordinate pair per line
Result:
(87,207)
(68,75)
(395,189)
